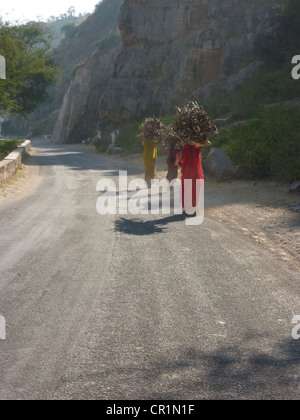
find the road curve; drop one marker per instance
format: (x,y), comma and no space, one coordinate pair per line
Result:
(136,307)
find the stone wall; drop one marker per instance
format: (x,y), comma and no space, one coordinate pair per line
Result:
(11,163)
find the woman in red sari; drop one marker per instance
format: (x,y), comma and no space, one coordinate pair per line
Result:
(192,172)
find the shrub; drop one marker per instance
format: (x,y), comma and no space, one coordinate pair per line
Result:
(127,139)
(218,105)
(268,145)
(8,146)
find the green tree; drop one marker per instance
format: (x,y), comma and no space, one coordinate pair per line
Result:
(30,69)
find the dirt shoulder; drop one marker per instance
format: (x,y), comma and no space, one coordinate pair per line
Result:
(261,211)
(23,182)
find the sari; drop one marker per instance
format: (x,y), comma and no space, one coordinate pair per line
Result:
(172,162)
(192,171)
(150,156)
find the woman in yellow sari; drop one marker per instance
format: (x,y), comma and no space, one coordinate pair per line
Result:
(150,156)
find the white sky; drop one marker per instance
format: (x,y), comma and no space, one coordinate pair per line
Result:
(25,10)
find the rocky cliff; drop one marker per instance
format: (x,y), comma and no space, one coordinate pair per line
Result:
(171,50)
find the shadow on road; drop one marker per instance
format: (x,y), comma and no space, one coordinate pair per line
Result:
(230,373)
(225,373)
(139,227)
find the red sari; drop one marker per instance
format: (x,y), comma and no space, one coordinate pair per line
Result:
(191,170)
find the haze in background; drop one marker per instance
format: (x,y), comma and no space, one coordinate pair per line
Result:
(23,11)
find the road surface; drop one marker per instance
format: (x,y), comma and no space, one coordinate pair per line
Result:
(136,307)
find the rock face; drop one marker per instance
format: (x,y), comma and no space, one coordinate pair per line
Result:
(171,51)
(80,108)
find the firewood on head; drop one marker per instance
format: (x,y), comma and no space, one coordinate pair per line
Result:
(169,137)
(152,129)
(193,125)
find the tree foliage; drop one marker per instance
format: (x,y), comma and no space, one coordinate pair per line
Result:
(268,145)
(30,68)
(290,23)
(8,146)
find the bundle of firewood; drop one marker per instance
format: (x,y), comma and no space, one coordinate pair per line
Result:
(152,129)
(193,125)
(169,137)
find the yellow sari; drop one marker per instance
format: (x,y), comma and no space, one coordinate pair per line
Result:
(150,156)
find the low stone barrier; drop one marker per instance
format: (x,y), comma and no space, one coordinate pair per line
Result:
(10,164)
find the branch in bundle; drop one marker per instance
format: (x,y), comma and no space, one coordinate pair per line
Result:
(152,129)
(169,136)
(193,125)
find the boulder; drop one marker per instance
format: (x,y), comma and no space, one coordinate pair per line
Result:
(295,186)
(296,207)
(218,165)
(112,149)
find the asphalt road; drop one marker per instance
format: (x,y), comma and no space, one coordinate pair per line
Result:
(136,307)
